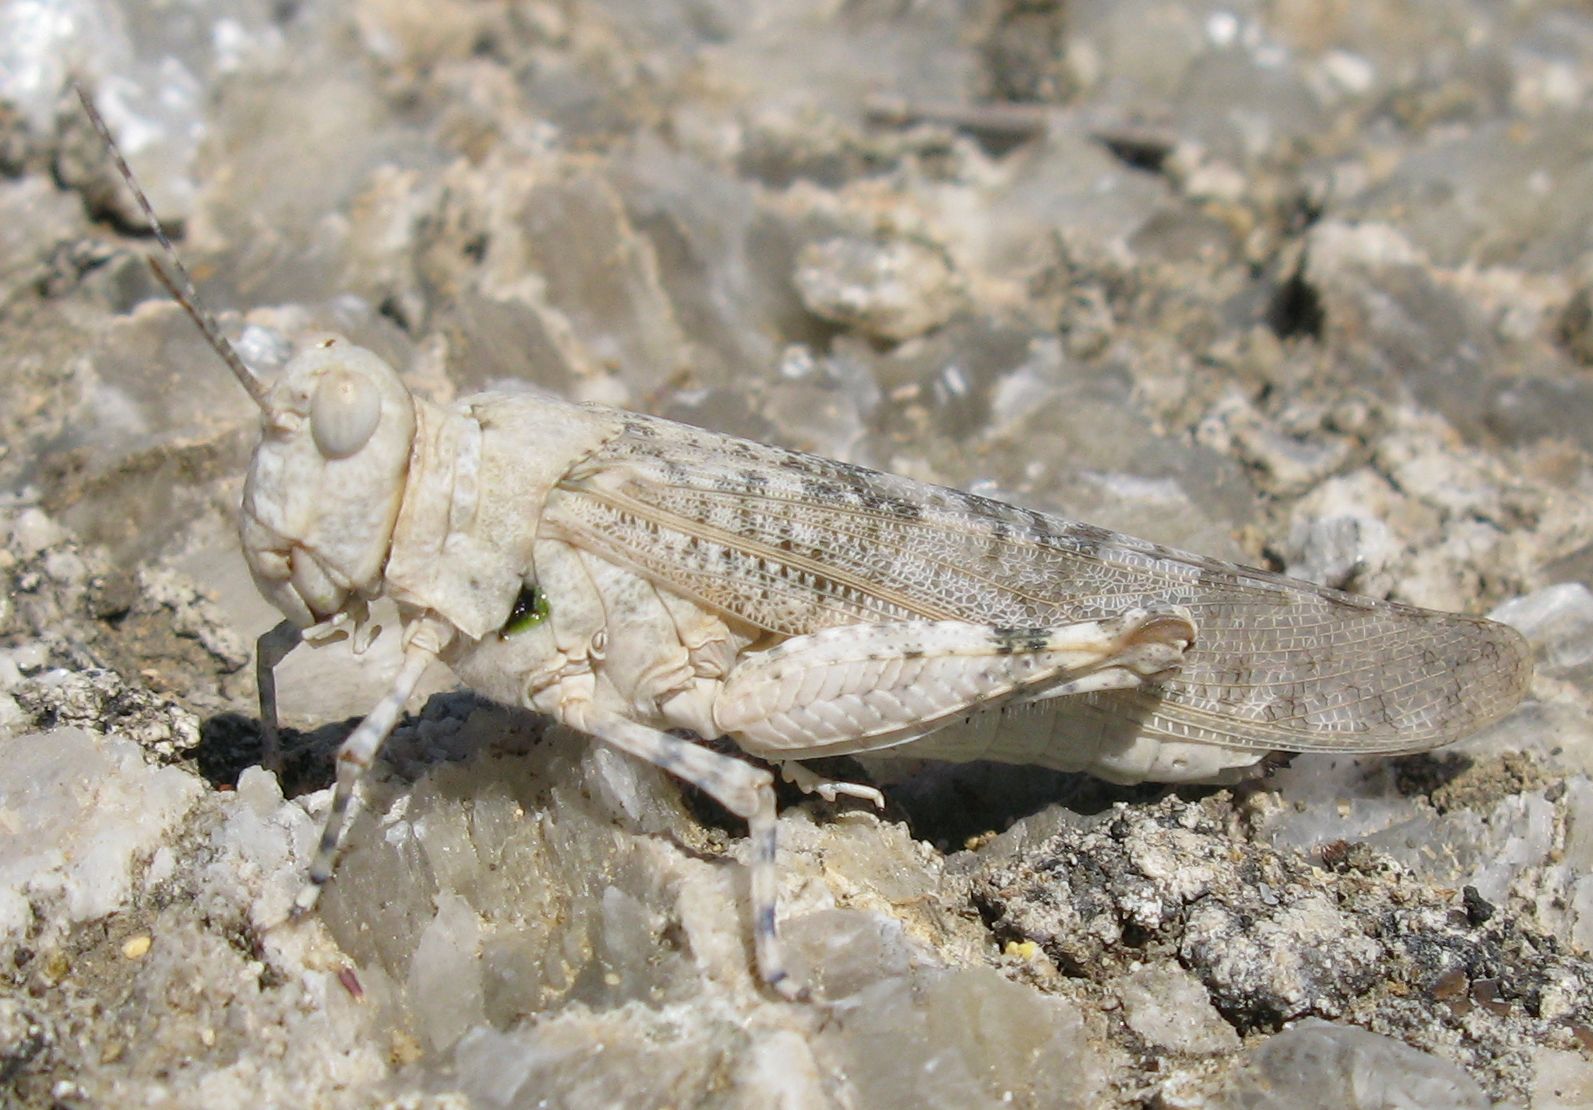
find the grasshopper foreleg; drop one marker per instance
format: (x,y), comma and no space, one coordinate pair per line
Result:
(422,643)
(270,650)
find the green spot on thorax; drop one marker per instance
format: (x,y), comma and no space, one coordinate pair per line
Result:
(530,609)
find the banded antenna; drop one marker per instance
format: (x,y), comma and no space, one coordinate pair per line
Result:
(182,290)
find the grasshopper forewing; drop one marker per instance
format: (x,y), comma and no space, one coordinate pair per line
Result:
(628,576)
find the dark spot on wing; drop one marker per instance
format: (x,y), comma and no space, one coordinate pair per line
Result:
(1010,641)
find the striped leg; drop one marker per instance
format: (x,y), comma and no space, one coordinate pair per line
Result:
(271,649)
(744,790)
(356,756)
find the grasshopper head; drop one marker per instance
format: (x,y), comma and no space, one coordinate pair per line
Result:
(328,475)
(326,480)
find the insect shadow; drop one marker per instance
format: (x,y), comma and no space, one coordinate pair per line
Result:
(950,805)
(946,804)
(229,743)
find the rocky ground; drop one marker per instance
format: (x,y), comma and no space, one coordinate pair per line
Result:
(1308,286)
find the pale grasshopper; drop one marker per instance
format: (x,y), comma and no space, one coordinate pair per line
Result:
(627,575)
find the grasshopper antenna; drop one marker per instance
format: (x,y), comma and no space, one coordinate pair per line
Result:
(182,289)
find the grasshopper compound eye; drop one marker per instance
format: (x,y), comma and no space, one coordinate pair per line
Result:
(344,412)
